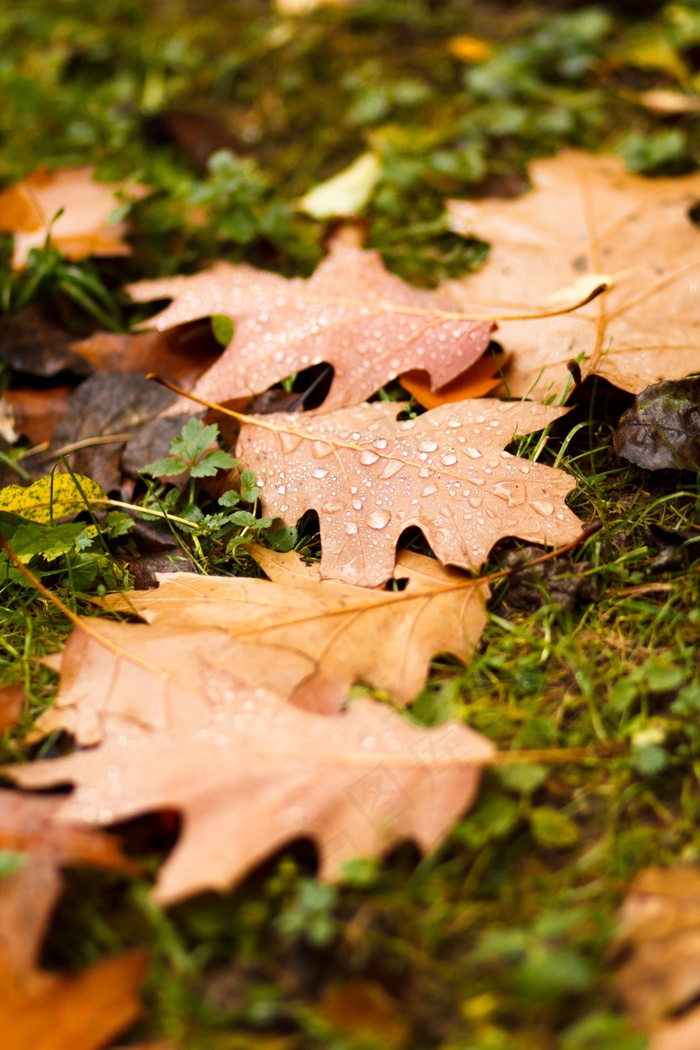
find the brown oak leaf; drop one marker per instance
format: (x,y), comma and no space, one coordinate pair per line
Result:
(585,216)
(659,933)
(156,677)
(352,634)
(260,772)
(41,1010)
(370,477)
(28,209)
(352,312)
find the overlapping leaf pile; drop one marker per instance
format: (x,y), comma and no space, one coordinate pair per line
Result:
(202,709)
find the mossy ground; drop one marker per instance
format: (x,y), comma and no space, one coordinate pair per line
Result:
(498,941)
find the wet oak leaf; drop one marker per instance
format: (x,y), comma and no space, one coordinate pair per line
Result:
(352,634)
(584,216)
(261,772)
(156,676)
(29,208)
(370,477)
(41,1010)
(352,313)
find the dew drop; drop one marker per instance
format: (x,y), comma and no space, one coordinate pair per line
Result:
(542,507)
(473,453)
(357,504)
(367,458)
(448,460)
(429,490)
(281,489)
(332,508)
(351,528)
(289,441)
(378,519)
(393,466)
(320,449)
(379,443)
(428,446)
(319,472)
(475,501)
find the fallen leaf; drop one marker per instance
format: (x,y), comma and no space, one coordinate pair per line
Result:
(661,430)
(156,676)
(370,477)
(669,103)
(346,193)
(365,1011)
(41,1010)
(52,497)
(352,634)
(29,208)
(352,312)
(483,377)
(28,825)
(586,215)
(180,354)
(101,417)
(35,346)
(353,783)
(37,412)
(11,704)
(660,982)
(303,7)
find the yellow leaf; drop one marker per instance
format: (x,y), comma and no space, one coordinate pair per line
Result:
(469,49)
(57,496)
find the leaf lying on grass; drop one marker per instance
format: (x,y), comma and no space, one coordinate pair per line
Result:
(352,634)
(370,477)
(259,772)
(41,1010)
(660,981)
(52,497)
(352,312)
(661,430)
(29,208)
(586,216)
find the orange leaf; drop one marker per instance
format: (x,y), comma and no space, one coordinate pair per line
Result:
(28,210)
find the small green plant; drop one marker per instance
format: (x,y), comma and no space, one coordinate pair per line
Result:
(217,526)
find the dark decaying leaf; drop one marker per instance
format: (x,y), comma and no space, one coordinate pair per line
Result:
(661,429)
(31,344)
(559,582)
(107,403)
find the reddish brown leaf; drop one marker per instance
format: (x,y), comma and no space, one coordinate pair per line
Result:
(28,825)
(11,704)
(28,209)
(370,478)
(483,377)
(584,216)
(353,313)
(354,783)
(45,1011)
(352,634)
(363,1009)
(180,354)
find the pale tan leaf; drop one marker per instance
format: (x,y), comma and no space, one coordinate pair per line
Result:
(586,215)
(352,312)
(660,929)
(157,677)
(370,477)
(261,772)
(28,210)
(352,634)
